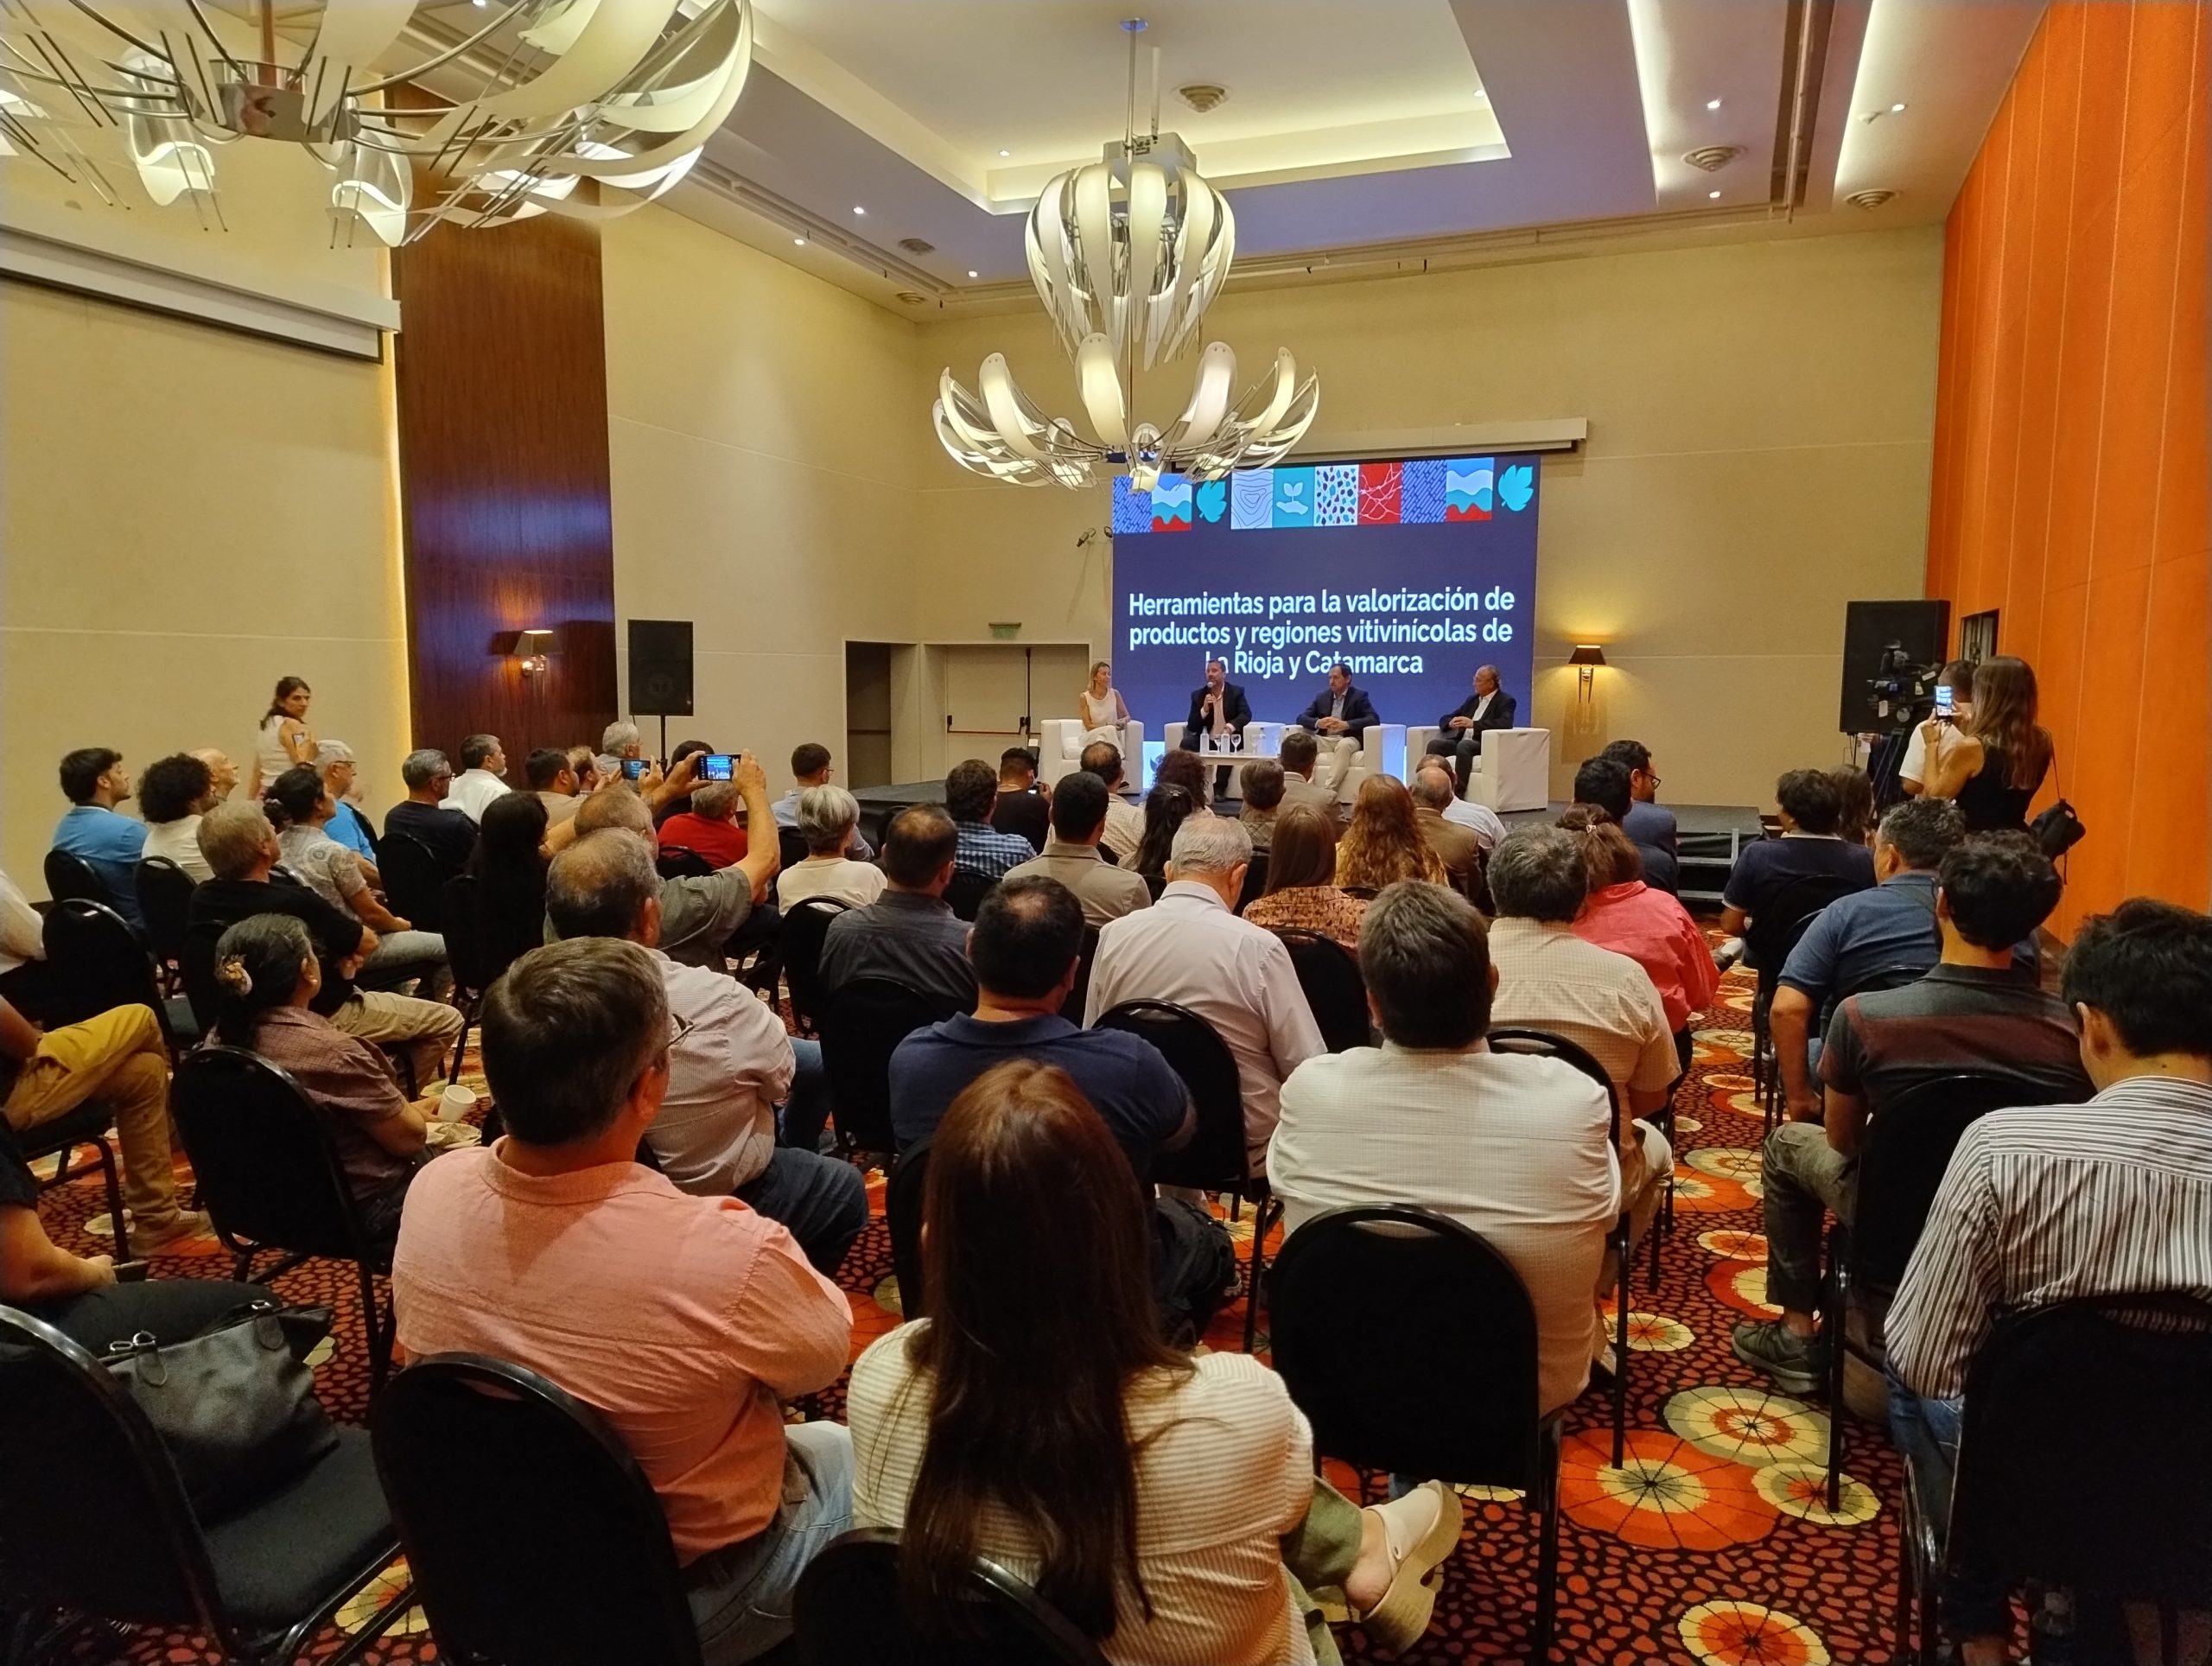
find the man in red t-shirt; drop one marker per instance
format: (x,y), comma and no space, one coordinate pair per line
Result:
(710,827)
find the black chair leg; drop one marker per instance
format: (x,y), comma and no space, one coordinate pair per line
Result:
(1546,1500)
(1260,1211)
(1835,1323)
(379,1327)
(461,1047)
(113,1178)
(1620,1348)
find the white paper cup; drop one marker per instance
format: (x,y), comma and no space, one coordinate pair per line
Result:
(457,1102)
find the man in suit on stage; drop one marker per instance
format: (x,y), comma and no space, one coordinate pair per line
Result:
(1488,707)
(1218,709)
(1338,717)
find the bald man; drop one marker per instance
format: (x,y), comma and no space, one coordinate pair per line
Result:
(1462,727)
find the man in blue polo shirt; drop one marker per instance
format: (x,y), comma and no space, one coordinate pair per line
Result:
(94,781)
(1871,940)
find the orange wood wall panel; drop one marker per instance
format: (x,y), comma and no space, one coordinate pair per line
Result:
(2071,456)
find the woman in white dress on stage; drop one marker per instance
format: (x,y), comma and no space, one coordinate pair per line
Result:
(1103,713)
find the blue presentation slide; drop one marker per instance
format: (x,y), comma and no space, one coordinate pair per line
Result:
(1413,573)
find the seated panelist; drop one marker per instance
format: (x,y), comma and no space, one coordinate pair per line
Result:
(1460,730)
(1343,712)
(1219,711)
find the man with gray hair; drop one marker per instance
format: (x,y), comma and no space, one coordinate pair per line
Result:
(1190,948)
(424,817)
(1514,1146)
(620,741)
(698,915)
(1460,851)
(731,1064)
(825,820)
(334,761)
(1549,979)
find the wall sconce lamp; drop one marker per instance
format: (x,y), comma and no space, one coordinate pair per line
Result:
(1586,659)
(532,648)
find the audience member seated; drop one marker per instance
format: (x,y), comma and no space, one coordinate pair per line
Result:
(1973,1011)
(1166,807)
(1808,849)
(1873,939)
(1651,928)
(676,804)
(1606,783)
(811,767)
(2051,1202)
(267,975)
(1854,791)
(551,774)
(1259,790)
(172,795)
(1605,1003)
(1649,824)
(116,1057)
(1167,1506)
(709,826)
(509,867)
(25,978)
(1191,774)
(682,1320)
(971,796)
(825,820)
(730,1062)
(1027,945)
(1382,843)
(1454,846)
(910,933)
(483,778)
(1301,893)
(425,816)
(241,848)
(1105,892)
(1920,759)
(1301,756)
(335,762)
(299,807)
(1024,807)
(1997,761)
(1517,1148)
(1190,948)
(621,741)
(584,762)
(698,915)
(94,781)
(1124,821)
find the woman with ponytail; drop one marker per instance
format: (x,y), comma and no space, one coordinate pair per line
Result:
(266,974)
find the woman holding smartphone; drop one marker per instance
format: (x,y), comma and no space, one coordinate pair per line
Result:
(1994,766)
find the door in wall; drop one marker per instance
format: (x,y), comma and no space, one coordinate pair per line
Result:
(996,695)
(867,762)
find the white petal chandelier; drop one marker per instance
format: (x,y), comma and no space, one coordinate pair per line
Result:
(1126,254)
(583,107)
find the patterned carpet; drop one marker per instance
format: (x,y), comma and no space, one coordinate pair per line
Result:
(1711,1544)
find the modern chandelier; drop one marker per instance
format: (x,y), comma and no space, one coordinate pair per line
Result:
(583,107)
(1126,254)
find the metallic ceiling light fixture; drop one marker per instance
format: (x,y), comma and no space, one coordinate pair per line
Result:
(590,108)
(1126,254)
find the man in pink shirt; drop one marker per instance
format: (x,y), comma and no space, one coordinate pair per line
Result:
(683,1320)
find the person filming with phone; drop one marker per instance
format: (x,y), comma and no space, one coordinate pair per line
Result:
(1954,707)
(1994,767)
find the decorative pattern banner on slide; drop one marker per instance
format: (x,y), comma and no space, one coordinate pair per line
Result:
(1413,573)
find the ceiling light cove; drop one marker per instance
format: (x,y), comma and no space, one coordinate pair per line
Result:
(1708,76)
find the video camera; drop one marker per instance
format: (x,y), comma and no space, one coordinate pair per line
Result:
(1900,693)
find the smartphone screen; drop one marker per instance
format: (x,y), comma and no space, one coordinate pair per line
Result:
(717,766)
(1944,697)
(633,769)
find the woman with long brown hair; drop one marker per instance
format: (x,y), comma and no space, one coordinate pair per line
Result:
(1993,770)
(1035,1417)
(1302,894)
(1384,843)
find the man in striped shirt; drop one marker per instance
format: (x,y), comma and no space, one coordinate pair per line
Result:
(2049,1203)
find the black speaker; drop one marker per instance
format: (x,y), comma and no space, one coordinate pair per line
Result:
(660,667)
(1922,629)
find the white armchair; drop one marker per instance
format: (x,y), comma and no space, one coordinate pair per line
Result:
(1514,770)
(1060,748)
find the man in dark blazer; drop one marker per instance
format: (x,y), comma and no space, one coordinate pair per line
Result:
(1221,694)
(1488,707)
(1342,712)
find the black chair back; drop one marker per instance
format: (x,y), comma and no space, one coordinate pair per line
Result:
(1881,978)
(805,924)
(2055,1482)
(99,962)
(681,861)
(1544,1044)
(468,939)
(1335,992)
(1255,883)
(966,893)
(533,1537)
(1215,1160)
(1444,1381)
(1905,1149)
(902,1205)
(1079,993)
(791,849)
(1785,916)
(92,1516)
(165,901)
(71,878)
(847,1613)
(267,1171)
(413,882)
(862,1023)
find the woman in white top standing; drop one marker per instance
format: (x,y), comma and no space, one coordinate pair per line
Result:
(284,739)
(1036,1418)
(825,818)
(1101,705)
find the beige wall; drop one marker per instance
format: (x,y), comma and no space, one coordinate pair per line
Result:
(190,514)
(1761,419)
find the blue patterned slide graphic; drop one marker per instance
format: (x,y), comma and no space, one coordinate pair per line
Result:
(1468,483)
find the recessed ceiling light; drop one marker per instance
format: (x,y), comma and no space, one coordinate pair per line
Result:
(1005,153)
(1897,110)
(1712,104)
(1713,195)
(858,209)
(799,241)
(972,272)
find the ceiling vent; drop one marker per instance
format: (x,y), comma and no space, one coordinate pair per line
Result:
(915,246)
(1714,157)
(911,298)
(1202,96)
(1869,199)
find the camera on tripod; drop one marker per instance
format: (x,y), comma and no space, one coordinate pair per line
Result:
(1901,692)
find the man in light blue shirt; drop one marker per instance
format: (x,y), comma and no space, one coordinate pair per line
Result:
(349,827)
(94,781)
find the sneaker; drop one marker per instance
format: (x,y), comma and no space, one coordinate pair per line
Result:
(152,1236)
(1798,1363)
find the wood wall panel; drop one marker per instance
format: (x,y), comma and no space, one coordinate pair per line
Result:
(501,372)
(2070,443)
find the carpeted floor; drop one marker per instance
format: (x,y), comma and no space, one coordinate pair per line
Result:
(1711,1545)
